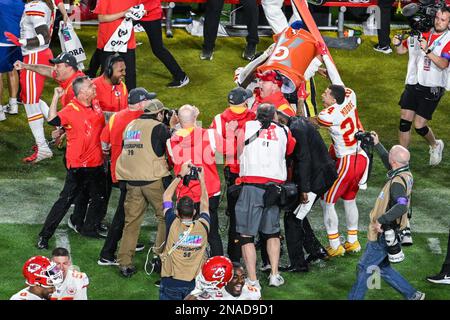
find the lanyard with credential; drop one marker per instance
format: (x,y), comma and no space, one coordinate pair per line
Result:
(435,42)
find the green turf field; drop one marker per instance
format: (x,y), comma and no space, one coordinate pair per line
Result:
(28,192)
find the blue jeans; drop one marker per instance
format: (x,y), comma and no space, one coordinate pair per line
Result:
(169,291)
(375,255)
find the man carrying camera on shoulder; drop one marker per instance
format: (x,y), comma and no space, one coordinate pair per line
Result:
(389,214)
(187,238)
(426,81)
(262,148)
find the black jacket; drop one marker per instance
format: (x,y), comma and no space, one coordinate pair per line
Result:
(314,169)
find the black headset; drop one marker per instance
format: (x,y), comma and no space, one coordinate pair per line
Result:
(110,61)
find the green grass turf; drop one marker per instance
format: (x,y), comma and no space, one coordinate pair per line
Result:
(327,280)
(27,192)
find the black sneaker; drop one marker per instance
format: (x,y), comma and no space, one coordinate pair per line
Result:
(102,227)
(206,54)
(139,247)
(107,262)
(42,243)
(178,83)
(158,283)
(441,278)
(127,272)
(290,268)
(320,254)
(249,52)
(385,50)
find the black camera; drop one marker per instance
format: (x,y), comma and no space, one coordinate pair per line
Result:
(392,237)
(167,114)
(365,138)
(193,175)
(421,15)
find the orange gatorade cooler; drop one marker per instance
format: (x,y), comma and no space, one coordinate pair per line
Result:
(294,51)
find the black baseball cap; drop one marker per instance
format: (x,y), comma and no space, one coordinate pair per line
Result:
(65,57)
(140,94)
(239,95)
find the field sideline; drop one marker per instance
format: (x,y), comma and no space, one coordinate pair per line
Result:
(28,192)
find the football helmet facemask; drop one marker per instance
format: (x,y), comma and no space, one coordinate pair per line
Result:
(40,271)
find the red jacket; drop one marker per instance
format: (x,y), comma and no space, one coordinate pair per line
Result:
(199,146)
(219,123)
(112,134)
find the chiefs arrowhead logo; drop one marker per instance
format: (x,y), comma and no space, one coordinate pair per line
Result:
(33,267)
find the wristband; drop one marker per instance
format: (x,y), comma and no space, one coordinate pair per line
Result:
(167,205)
(428,51)
(40,37)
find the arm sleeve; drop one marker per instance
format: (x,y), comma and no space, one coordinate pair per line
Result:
(56,121)
(303,160)
(312,69)
(159,137)
(332,71)
(290,143)
(36,15)
(400,207)
(384,155)
(325,117)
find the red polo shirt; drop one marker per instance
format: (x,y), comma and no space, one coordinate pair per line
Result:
(113,131)
(153,8)
(83,126)
(106,29)
(112,98)
(67,86)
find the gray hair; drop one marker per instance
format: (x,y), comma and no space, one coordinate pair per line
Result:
(187,114)
(77,84)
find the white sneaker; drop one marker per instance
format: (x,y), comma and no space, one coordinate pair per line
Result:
(252,283)
(436,153)
(276,280)
(265,267)
(2,114)
(11,108)
(43,153)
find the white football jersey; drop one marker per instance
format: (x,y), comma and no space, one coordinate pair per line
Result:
(24,294)
(248,293)
(343,122)
(74,287)
(36,14)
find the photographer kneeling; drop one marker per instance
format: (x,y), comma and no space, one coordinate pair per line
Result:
(186,242)
(390,212)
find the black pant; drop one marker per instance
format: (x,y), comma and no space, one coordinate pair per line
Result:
(154,34)
(212,19)
(117,224)
(234,247)
(446,264)
(385,23)
(95,63)
(82,201)
(299,235)
(93,179)
(214,240)
(130,63)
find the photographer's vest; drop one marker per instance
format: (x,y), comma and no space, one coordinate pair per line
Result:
(264,157)
(382,203)
(138,161)
(184,253)
(428,73)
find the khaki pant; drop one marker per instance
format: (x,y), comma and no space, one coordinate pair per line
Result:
(136,204)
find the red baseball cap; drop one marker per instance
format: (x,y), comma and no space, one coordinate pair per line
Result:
(271,75)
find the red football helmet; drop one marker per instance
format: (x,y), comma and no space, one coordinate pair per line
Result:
(217,271)
(40,271)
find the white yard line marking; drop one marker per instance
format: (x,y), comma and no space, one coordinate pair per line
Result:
(435,245)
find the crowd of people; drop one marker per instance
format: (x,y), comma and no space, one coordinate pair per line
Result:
(121,136)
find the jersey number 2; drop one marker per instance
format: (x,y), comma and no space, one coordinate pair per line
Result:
(349,128)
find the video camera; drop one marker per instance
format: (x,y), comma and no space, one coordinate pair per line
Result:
(421,15)
(193,175)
